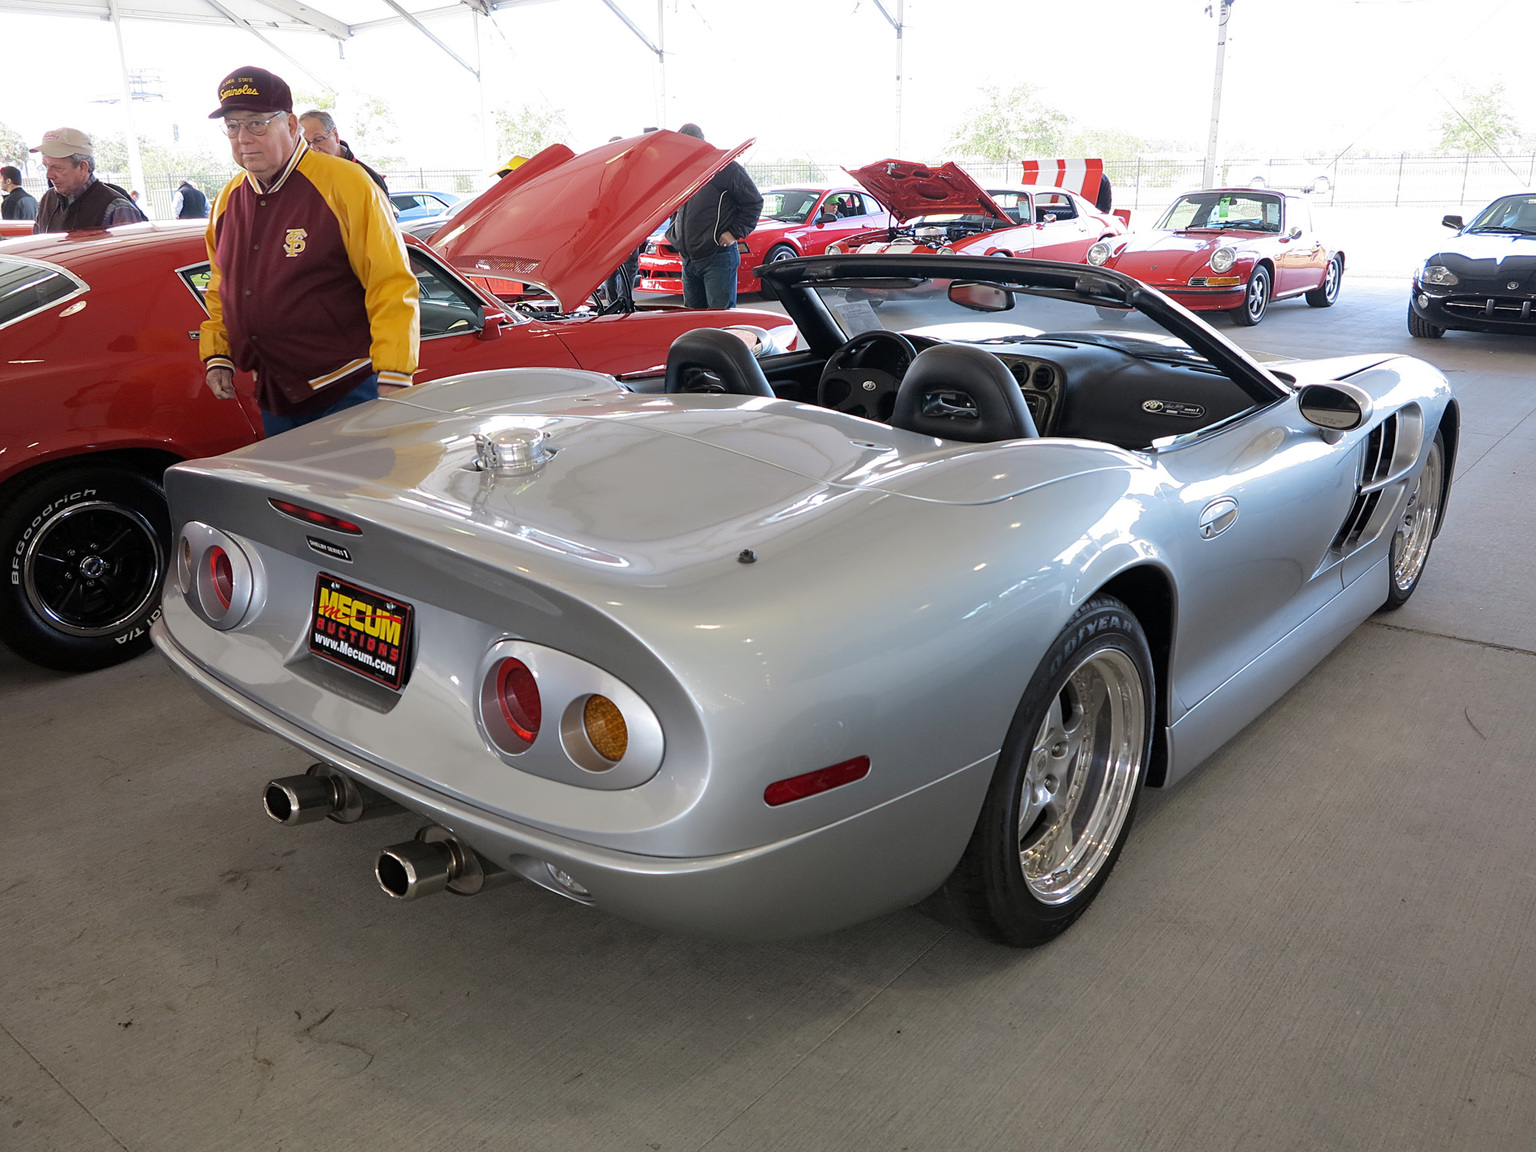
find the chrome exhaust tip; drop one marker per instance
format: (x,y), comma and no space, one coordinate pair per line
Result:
(294,800)
(435,861)
(323,792)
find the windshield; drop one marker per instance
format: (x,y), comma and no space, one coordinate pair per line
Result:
(923,308)
(791,205)
(1512,214)
(1224,211)
(1016,204)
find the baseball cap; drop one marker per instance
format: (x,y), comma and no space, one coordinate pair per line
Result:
(252,90)
(61,142)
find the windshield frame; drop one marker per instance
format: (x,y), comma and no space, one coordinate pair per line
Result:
(1260,194)
(816,196)
(1480,222)
(792,280)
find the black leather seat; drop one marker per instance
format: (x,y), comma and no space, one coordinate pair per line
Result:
(712,360)
(956,392)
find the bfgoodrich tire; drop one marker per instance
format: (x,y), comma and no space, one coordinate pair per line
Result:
(1066,785)
(85,554)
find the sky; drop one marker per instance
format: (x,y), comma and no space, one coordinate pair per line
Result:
(816,78)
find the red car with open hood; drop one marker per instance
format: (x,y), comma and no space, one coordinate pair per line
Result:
(798,221)
(103,387)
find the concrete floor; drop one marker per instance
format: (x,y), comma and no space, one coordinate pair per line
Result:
(1322,940)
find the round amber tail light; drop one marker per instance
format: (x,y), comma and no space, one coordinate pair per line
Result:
(605,728)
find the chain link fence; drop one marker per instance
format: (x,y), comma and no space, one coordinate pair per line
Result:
(1145,183)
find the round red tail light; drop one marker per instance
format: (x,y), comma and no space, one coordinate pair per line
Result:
(222,575)
(517,693)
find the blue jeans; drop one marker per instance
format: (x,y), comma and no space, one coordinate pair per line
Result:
(711,282)
(272,424)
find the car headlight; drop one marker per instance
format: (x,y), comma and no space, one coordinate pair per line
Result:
(1222,260)
(835,249)
(1098,254)
(946,250)
(1438,274)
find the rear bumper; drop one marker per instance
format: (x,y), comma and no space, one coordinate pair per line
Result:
(871,863)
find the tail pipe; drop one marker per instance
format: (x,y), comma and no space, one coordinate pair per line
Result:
(324,792)
(435,861)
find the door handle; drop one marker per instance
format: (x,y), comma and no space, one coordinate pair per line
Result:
(1217,516)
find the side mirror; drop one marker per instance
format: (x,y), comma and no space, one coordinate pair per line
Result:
(980,297)
(491,321)
(1336,407)
(827,217)
(1294,233)
(1452,222)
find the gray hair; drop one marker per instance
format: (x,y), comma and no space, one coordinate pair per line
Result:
(325,118)
(80,158)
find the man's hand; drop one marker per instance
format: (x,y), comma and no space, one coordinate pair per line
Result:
(391,389)
(221,382)
(727,239)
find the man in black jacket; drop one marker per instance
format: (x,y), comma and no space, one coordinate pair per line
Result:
(18,204)
(707,229)
(78,200)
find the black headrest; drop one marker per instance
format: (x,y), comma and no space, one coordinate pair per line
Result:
(721,355)
(961,393)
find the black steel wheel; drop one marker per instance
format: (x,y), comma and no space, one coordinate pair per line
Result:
(1422,328)
(1065,788)
(1255,299)
(85,552)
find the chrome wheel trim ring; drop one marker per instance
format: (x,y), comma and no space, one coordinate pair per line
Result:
(34,553)
(1257,298)
(1416,527)
(1080,780)
(1331,279)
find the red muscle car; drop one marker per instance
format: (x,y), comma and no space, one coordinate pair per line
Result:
(798,221)
(1232,250)
(103,387)
(942,209)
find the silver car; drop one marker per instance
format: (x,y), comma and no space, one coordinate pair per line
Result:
(777,642)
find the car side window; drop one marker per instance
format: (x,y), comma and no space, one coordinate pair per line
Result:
(1054,207)
(1298,214)
(446,307)
(871,206)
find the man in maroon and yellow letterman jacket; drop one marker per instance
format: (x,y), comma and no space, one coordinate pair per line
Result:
(311,288)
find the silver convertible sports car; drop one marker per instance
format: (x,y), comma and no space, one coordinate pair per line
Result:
(772,643)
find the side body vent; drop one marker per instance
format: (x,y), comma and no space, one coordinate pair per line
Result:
(1376,466)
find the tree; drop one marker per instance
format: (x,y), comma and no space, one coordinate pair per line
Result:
(1479,122)
(1010,125)
(13,149)
(528,129)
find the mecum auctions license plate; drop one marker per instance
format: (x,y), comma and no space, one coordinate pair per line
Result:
(363,631)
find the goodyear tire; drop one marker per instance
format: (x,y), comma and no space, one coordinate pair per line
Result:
(85,555)
(1066,785)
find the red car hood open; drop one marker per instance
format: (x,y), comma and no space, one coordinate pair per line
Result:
(909,190)
(565,222)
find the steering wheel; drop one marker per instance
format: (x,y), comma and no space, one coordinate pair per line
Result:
(848,385)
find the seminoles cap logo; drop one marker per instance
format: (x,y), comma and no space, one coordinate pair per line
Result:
(252,90)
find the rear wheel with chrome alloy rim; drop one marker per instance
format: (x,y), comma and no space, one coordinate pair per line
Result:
(1066,784)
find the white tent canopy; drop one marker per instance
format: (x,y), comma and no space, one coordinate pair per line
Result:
(338,19)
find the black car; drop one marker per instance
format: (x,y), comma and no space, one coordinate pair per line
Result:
(1485,279)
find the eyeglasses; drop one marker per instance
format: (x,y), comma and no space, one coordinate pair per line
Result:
(314,140)
(254,127)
